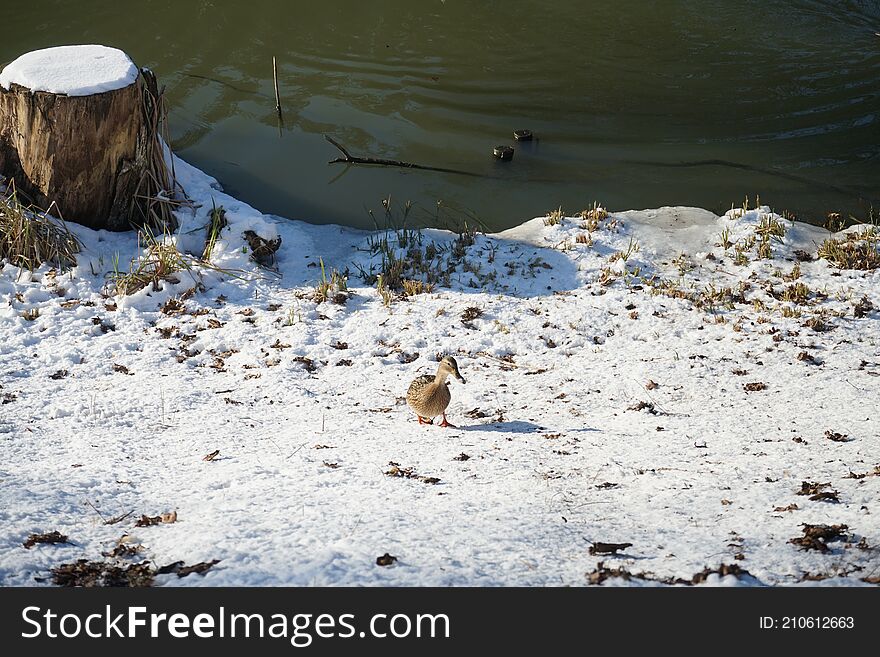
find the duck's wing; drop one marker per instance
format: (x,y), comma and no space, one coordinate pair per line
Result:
(421,382)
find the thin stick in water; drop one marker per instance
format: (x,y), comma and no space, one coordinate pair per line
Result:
(277,95)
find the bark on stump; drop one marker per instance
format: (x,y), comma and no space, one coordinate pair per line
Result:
(86,154)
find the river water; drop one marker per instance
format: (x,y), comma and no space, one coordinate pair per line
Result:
(634,103)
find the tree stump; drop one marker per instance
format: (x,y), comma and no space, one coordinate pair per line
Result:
(78,130)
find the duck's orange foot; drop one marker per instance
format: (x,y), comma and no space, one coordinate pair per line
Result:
(446,423)
(425,420)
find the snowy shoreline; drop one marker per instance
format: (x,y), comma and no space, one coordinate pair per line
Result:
(660,398)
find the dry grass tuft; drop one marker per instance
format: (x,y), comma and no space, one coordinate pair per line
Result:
(554,217)
(216,223)
(30,237)
(857,250)
(410,266)
(413,287)
(161,262)
(769,229)
(797,293)
(333,288)
(593,216)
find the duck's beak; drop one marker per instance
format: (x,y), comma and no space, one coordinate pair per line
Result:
(459,376)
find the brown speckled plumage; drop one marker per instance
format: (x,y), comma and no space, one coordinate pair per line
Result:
(429,395)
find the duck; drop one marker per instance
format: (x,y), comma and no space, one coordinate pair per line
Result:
(428,395)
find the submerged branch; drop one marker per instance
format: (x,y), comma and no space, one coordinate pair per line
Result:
(348,158)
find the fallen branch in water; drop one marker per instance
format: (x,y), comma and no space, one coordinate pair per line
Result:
(348,158)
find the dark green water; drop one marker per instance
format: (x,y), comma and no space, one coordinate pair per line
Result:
(777,98)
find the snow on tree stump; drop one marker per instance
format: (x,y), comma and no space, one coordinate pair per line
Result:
(78,130)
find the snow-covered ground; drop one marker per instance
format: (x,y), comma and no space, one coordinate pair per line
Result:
(608,399)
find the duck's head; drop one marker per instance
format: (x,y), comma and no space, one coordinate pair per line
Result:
(449,366)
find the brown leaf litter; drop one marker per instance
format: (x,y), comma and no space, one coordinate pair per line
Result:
(149,521)
(812,487)
(124,548)
(262,250)
(469,315)
(385,560)
(599,547)
(861,475)
(602,573)
(643,406)
(816,537)
(307,363)
(408,473)
(181,570)
(49,538)
(817,492)
(85,573)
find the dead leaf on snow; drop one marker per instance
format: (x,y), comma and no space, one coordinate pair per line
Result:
(826,496)
(385,560)
(812,487)
(643,406)
(170,568)
(124,548)
(85,573)
(149,521)
(307,363)
(49,538)
(200,568)
(173,306)
(816,537)
(408,473)
(608,548)
(722,571)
